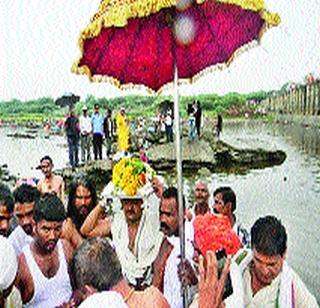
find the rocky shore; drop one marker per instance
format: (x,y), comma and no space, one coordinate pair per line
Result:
(206,155)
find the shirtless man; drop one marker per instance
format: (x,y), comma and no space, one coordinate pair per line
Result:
(82,199)
(51,182)
(43,279)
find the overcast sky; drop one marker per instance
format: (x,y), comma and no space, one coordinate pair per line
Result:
(39,44)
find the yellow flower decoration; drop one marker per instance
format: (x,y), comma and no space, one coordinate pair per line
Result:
(130,174)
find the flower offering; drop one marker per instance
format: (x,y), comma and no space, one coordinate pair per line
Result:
(131,174)
(214,232)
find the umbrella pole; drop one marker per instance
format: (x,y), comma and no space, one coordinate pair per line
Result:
(179,172)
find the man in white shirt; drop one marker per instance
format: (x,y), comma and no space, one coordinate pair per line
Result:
(25,197)
(165,267)
(85,135)
(268,280)
(9,295)
(135,234)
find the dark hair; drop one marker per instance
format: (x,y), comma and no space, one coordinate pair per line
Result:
(49,207)
(190,109)
(228,195)
(47,157)
(84,180)
(96,106)
(6,197)
(96,264)
(269,237)
(172,192)
(26,193)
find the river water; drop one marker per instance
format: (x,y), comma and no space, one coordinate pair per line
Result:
(290,191)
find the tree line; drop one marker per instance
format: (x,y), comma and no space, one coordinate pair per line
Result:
(42,108)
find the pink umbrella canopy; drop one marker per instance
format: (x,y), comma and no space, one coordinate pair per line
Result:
(139,42)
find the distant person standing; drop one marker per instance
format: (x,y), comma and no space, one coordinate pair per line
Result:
(219,125)
(97,127)
(123,131)
(108,131)
(85,135)
(51,183)
(191,122)
(72,128)
(169,123)
(46,129)
(198,116)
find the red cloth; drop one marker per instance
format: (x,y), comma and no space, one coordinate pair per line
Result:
(214,232)
(144,51)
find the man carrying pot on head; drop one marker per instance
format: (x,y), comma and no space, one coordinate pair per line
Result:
(135,228)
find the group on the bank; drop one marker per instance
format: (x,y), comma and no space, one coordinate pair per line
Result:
(91,132)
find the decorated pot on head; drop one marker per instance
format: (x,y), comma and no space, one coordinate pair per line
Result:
(131,179)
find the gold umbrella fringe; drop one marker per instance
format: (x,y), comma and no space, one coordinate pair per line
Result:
(117,12)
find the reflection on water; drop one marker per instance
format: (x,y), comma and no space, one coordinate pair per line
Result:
(290,191)
(23,155)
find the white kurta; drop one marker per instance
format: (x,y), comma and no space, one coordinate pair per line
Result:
(172,284)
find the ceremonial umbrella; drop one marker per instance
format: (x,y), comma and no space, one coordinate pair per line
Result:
(154,42)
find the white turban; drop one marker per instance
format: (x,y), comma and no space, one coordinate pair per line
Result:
(8,264)
(110,192)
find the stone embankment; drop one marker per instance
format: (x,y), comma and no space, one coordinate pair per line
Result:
(299,104)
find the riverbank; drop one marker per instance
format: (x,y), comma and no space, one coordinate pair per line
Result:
(303,120)
(202,156)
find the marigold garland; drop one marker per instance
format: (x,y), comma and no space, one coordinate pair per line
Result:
(131,174)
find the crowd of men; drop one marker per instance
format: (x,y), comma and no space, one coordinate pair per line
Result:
(70,252)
